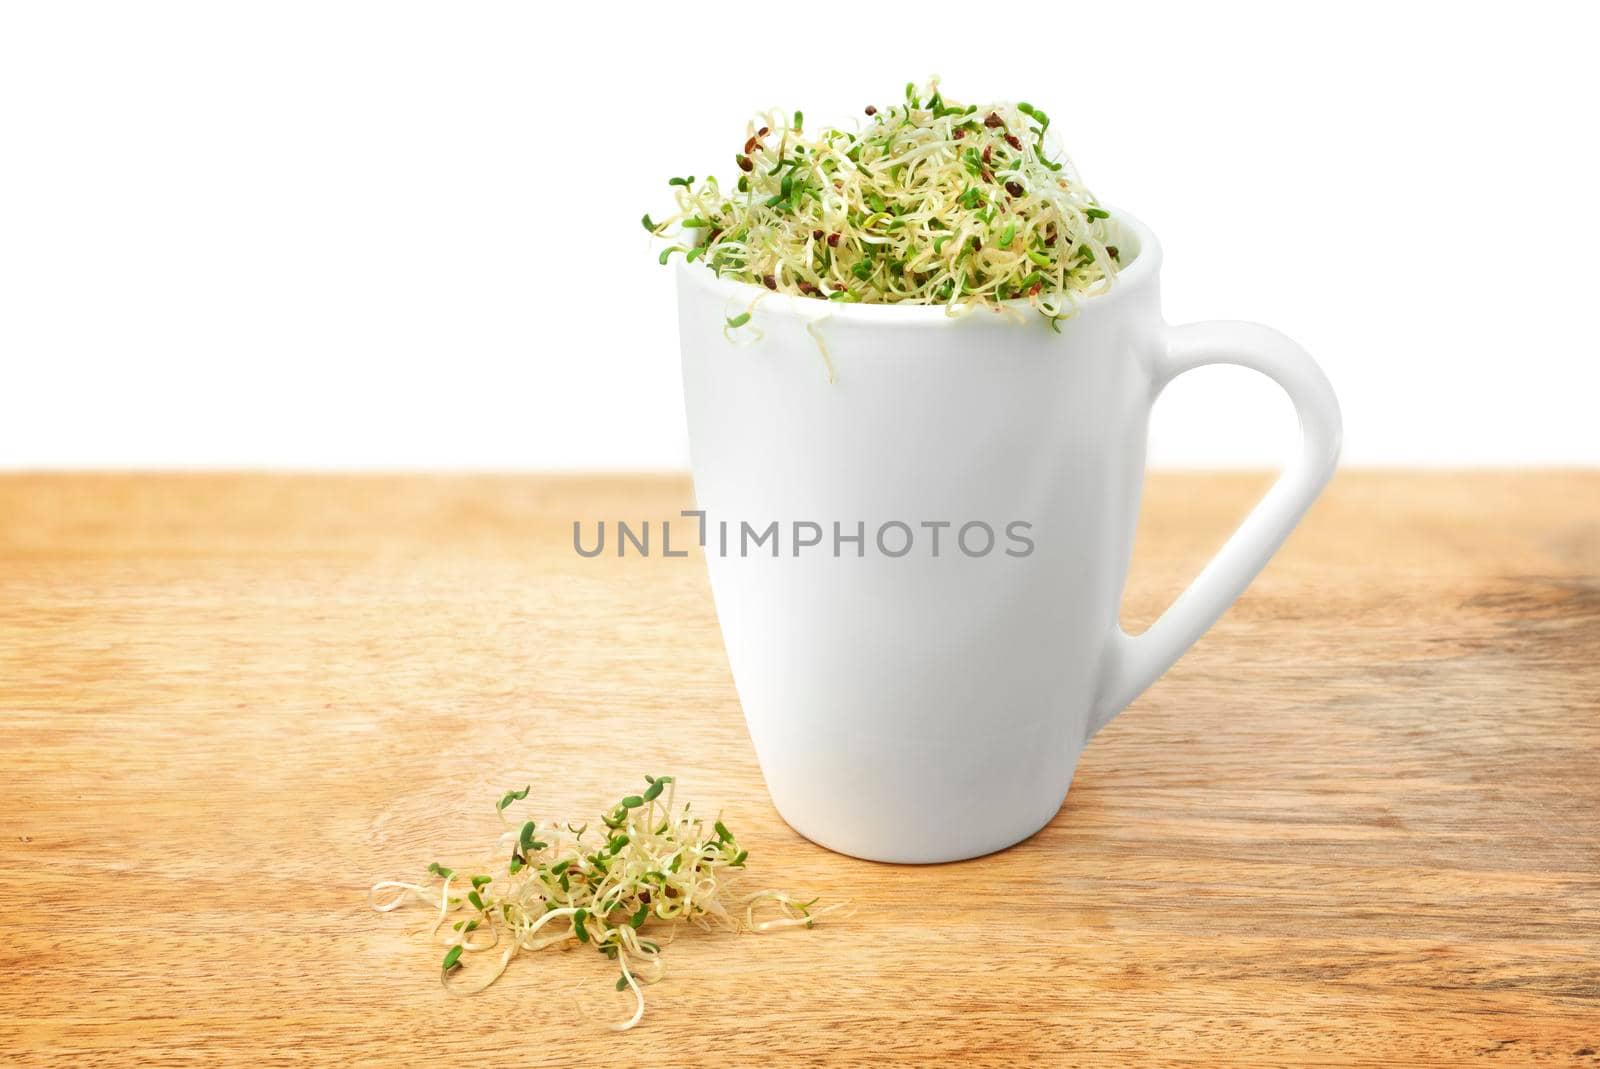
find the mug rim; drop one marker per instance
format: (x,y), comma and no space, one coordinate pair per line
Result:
(1134,276)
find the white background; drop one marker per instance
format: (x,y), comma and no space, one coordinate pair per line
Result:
(403,236)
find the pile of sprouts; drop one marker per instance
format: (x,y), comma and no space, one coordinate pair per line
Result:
(624,889)
(931,202)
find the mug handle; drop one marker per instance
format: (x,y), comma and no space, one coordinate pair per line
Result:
(1132,664)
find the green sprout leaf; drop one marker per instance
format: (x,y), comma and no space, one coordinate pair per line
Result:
(452,958)
(515,796)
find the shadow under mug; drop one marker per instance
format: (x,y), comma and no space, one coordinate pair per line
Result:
(917,690)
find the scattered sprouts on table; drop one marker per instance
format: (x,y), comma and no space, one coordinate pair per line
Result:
(624,887)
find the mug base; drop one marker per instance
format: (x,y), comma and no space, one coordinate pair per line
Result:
(952,851)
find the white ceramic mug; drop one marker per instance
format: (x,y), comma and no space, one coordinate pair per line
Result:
(919,706)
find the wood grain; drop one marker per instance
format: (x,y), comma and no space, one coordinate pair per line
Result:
(1359,824)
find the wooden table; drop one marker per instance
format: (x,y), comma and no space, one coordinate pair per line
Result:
(1359,824)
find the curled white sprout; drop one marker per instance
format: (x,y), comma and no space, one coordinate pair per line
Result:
(932,202)
(649,870)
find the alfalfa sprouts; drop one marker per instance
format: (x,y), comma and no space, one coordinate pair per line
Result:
(930,202)
(625,888)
